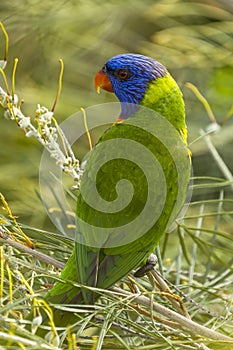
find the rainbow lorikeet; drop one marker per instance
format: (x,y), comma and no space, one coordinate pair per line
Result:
(151,106)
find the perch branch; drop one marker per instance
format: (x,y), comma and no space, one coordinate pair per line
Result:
(191,326)
(40,256)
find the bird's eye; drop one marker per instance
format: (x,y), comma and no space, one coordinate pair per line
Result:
(122,74)
(104,69)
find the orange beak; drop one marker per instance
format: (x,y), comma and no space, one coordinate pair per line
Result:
(102,82)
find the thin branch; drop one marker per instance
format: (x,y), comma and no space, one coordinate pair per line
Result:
(222,166)
(203,100)
(191,326)
(21,341)
(59,84)
(40,256)
(6,40)
(86,128)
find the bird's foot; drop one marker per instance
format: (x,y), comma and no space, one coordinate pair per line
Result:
(149,265)
(160,282)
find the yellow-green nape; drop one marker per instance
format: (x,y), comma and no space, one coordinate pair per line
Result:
(163,95)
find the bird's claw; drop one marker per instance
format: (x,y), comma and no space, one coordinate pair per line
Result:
(149,265)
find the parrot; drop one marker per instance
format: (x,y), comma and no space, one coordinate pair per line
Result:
(147,93)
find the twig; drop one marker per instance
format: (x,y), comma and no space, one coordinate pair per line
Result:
(193,258)
(6,41)
(222,166)
(40,256)
(175,299)
(191,326)
(86,128)
(10,338)
(203,100)
(17,227)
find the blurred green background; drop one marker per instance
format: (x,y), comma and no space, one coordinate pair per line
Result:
(193,39)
